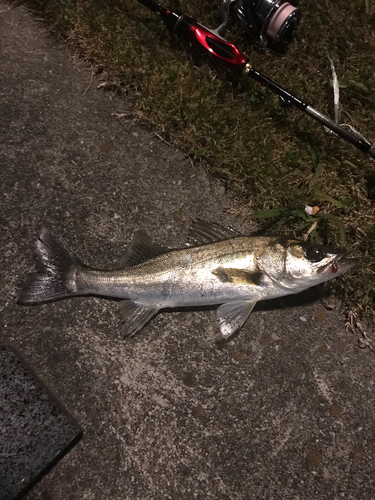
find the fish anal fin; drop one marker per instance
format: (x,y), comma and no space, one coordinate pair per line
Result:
(238,276)
(135,316)
(203,233)
(141,248)
(232,315)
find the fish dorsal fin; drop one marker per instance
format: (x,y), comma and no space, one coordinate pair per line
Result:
(203,233)
(141,248)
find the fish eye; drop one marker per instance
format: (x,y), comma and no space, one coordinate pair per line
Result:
(314,253)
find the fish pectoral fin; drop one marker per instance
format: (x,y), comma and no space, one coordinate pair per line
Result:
(135,316)
(202,233)
(141,248)
(233,315)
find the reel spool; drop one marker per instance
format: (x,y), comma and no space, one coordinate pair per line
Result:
(268,23)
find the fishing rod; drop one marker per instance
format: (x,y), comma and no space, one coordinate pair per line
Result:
(207,41)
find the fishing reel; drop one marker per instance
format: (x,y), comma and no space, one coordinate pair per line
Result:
(268,23)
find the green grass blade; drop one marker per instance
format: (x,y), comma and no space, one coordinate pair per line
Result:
(318,172)
(351,164)
(279,212)
(265,214)
(339,224)
(327,197)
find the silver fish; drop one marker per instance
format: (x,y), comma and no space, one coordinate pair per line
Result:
(224,267)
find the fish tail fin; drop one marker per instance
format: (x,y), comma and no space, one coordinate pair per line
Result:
(56,275)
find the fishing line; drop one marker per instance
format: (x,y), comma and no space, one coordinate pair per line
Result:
(336,103)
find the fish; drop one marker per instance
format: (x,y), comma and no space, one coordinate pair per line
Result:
(221,267)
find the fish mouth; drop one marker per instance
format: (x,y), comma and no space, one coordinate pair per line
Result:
(339,264)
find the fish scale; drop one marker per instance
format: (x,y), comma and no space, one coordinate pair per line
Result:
(188,273)
(223,267)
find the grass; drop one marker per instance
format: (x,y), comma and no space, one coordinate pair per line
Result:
(269,157)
